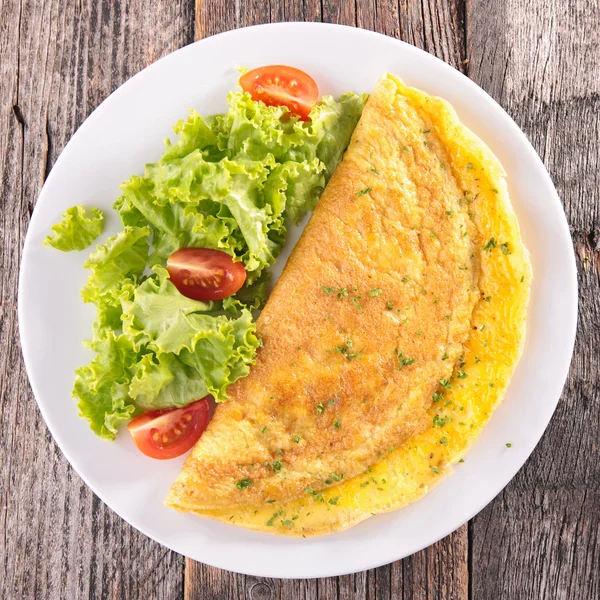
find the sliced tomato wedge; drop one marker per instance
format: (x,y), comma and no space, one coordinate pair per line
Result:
(205,274)
(279,85)
(164,434)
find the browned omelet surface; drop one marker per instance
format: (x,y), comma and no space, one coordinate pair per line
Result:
(371,313)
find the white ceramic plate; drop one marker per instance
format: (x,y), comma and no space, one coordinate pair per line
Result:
(124,133)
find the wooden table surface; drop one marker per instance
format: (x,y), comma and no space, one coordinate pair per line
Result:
(540,59)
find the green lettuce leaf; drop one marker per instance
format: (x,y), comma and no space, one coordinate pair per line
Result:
(232,182)
(123,255)
(102,386)
(77,230)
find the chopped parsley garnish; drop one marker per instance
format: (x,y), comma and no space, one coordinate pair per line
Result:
(494,190)
(375,292)
(334,500)
(297,439)
(437,397)
(327,290)
(279,451)
(364,191)
(403,361)
(425,130)
(320,408)
(435,470)
(509,445)
(264,429)
(490,245)
(364,483)
(405,279)
(469,165)
(335,477)
(462,460)
(344,350)
(444,441)
(243,484)
(449,213)
(272,519)
(504,248)
(337,424)
(445,357)
(441,421)
(461,374)
(276,466)
(445,383)
(374,170)
(343,293)
(389,305)
(488,298)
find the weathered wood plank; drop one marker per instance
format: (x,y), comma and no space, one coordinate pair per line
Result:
(540,60)
(59,61)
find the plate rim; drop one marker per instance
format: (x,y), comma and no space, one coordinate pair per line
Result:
(570,319)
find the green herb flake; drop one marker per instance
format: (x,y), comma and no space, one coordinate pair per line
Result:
(504,248)
(469,165)
(375,292)
(437,397)
(364,191)
(449,213)
(337,424)
(320,408)
(444,441)
(445,383)
(461,374)
(445,356)
(243,484)
(374,170)
(403,361)
(490,245)
(327,290)
(441,421)
(264,429)
(389,305)
(509,445)
(334,500)
(435,470)
(297,439)
(276,466)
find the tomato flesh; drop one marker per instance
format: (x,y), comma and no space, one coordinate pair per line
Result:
(164,434)
(205,274)
(280,85)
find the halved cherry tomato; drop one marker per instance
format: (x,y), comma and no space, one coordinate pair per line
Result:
(205,274)
(168,433)
(278,85)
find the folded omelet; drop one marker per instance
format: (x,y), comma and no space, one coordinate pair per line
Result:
(388,340)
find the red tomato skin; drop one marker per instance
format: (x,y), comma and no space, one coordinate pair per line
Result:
(205,274)
(280,85)
(190,420)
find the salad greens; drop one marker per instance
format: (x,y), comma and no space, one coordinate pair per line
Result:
(231,182)
(77,230)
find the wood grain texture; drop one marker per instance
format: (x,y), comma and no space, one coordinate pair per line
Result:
(58,61)
(540,59)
